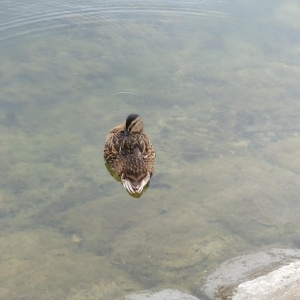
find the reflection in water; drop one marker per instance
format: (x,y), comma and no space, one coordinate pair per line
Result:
(207,77)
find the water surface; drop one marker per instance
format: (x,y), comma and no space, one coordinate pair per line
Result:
(217,84)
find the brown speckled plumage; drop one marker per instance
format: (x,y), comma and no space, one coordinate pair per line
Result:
(130,153)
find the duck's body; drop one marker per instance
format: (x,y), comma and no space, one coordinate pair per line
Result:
(130,153)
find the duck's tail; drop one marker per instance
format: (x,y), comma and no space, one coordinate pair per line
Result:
(135,185)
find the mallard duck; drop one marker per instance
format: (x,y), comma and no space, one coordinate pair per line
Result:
(129,152)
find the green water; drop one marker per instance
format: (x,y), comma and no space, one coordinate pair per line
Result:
(219,96)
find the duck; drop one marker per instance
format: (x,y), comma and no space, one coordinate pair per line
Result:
(130,154)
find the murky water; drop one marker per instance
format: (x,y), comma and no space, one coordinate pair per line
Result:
(217,84)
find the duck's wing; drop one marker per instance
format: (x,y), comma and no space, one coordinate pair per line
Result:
(113,148)
(147,151)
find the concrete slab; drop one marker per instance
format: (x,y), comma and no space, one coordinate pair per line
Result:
(265,275)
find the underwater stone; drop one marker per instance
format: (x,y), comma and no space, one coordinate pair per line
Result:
(167,294)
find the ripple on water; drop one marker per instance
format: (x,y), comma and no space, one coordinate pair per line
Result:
(124,102)
(41,17)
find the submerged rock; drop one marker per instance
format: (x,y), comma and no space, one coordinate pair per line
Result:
(265,275)
(167,294)
(268,275)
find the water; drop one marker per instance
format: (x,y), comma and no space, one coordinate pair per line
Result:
(217,84)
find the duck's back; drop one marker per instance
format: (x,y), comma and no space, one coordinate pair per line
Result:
(132,154)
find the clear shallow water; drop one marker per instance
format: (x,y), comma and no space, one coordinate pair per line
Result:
(217,84)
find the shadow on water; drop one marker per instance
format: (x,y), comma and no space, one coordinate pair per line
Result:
(217,84)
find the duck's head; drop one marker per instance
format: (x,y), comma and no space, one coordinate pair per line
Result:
(134,123)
